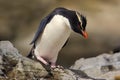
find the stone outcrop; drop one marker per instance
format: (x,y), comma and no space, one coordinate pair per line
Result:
(15,66)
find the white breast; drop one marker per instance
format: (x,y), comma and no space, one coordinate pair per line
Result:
(53,38)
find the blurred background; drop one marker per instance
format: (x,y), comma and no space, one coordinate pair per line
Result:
(19,20)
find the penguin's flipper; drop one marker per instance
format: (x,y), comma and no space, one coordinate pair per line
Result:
(41,27)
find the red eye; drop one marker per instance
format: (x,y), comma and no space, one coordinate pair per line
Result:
(79,25)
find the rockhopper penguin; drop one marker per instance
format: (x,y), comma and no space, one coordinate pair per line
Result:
(53,33)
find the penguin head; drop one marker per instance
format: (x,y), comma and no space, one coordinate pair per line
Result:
(76,20)
(78,24)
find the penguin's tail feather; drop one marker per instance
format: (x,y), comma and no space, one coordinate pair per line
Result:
(31,53)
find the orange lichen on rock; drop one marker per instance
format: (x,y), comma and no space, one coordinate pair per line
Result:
(117,77)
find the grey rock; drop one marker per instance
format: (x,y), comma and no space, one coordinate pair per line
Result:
(105,66)
(15,66)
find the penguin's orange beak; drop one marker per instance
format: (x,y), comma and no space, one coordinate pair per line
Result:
(84,34)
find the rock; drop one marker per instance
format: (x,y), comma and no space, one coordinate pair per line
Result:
(15,66)
(105,66)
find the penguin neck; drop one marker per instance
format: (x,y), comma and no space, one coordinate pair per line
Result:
(64,20)
(60,24)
